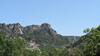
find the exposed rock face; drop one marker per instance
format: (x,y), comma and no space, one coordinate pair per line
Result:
(17,29)
(42,34)
(11,29)
(47,27)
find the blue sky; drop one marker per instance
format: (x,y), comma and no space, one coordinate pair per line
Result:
(67,17)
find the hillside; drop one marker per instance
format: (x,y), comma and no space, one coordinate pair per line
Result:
(89,43)
(41,34)
(42,40)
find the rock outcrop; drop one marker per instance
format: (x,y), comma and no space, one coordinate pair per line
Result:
(41,34)
(11,29)
(17,29)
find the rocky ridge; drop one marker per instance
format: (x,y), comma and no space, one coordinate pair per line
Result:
(41,34)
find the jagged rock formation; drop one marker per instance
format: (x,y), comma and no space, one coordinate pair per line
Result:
(17,29)
(11,29)
(42,34)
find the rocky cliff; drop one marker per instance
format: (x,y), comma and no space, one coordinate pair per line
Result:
(17,29)
(42,34)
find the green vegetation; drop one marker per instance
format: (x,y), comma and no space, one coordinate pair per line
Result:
(17,47)
(92,42)
(87,45)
